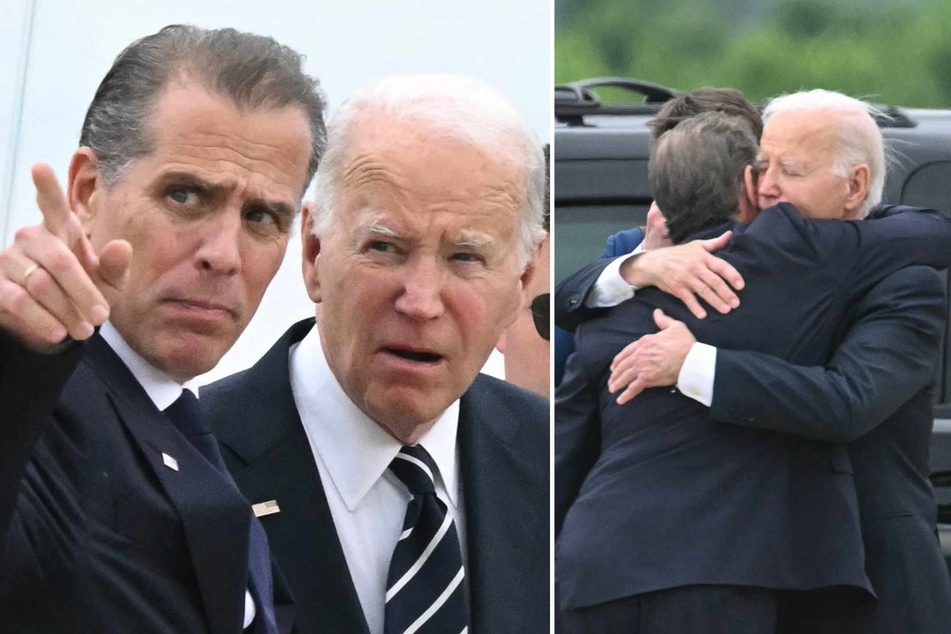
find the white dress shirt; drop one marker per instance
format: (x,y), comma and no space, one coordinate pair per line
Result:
(163,390)
(699,368)
(697,373)
(353,454)
(611,288)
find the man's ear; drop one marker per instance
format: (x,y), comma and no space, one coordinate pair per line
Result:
(749,205)
(310,250)
(524,283)
(500,344)
(84,186)
(858,189)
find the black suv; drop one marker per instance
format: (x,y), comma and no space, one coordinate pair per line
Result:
(600,187)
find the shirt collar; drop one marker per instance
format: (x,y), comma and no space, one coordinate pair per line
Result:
(162,389)
(355,449)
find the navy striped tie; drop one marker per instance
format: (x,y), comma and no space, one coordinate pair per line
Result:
(425,589)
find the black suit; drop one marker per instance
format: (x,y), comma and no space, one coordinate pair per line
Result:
(881,371)
(503,447)
(660,495)
(99,533)
(876,393)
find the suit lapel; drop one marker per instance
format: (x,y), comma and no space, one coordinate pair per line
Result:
(496,519)
(214,516)
(270,457)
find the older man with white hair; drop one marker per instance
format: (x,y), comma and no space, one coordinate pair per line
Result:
(823,152)
(401,490)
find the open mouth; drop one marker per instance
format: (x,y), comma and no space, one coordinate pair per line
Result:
(415,355)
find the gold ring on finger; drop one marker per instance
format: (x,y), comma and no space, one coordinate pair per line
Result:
(30,271)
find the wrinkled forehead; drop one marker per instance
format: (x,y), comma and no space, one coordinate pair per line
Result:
(803,134)
(385,133)
(427,164)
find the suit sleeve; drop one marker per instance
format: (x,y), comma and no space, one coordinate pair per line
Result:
(577,435)
(572,292)
(888,355)
(570,295)
(30,385)
(904,236)
(859,253)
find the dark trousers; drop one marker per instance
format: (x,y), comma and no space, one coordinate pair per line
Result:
(685,610)
(838,610)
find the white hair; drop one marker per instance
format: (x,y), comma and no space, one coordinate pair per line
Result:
(461,108)
(860,140)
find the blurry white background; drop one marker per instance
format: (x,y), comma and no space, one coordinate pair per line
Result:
(53,53)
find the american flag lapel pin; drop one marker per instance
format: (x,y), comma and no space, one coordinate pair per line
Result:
(265,508)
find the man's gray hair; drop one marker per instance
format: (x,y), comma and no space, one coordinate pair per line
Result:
(860,140)
(460,108)
(696,171)
(252,70)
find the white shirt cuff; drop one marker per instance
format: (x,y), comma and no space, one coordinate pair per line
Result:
(697,373)
(249,610)
(611,289)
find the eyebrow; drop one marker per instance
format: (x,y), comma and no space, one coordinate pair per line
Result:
(469,240)
(380,229)
(212,190)
(790,164)
(474,241)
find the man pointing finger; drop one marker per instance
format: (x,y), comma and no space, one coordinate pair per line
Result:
(116,511)
(48,273)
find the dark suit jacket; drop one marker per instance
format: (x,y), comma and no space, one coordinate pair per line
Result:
(571,292)
(98,533)
(503,443)
(620,243)
(672,498)
(876,393)
(564,345)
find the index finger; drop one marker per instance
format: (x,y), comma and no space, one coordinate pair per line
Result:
(686,295)
(726,271)
(58,217)
(717,292)
(70,278)
(51,199)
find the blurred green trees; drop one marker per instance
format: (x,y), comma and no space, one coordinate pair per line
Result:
(897,52)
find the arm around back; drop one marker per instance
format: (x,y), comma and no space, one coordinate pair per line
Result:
(887,356)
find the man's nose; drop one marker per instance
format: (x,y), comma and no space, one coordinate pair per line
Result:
(219,249)
(421,296)
(768,184)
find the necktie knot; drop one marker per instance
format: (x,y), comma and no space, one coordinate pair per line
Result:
(416,469)
(186,414)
